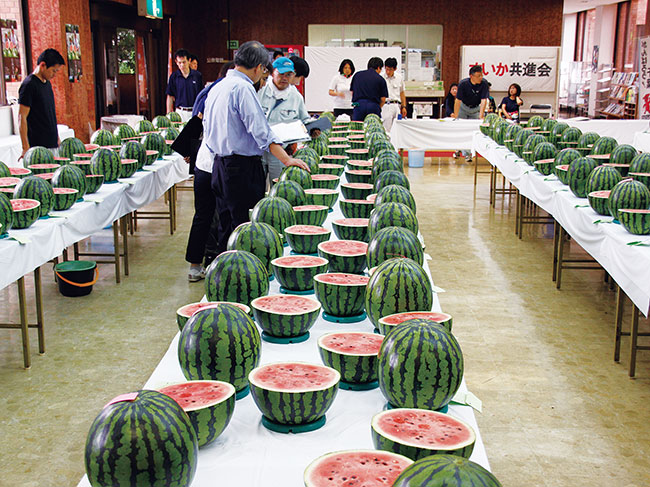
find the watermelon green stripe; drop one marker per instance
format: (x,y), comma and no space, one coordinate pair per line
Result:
(395,194)
(287,408)
(602,178)
(350,264)
(71,146)
(393,177)
(146,442)
(355,369)
(258,238)
(275,211)
(290,191)
(628,194)
(420,365)
(398,285)
(281,325)
(35,188)
(392,242)
(339,299)
(219,344)
(392,215)
(447,471)
(297,278)
(236,276)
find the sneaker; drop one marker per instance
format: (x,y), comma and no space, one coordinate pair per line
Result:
(196,274)
(456,154)
(468,158)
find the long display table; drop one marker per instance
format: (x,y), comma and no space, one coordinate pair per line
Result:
(441,134)
(249,455)
(607,242)
(11,147)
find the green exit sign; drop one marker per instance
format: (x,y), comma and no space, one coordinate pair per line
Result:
(151,8)
(233,44)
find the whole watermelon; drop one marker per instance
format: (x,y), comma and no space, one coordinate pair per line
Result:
(623,154)
(545,150)
(628,194)
(290,191)
(174,117)
(397,285)
(144,126)
(107,162)
(445,471)
(394,193)
(161,122)
(70,176)
(298,175)
(588,139)
(220,343)
(319,145)
(579,171)
(520,140)
(71,146)
(536,121)
(236,276)
(379,144)
(38,155)
(420,365)
(571,134)
(146,441)
(260,239)
(392,215)
(604,145)
(102,138)
(566,156)
(275,211)
(4,170)
(640,163)
(602,178)
(134,150)
(123,131)
(392,242)
(308,155)
(154,141)
(6,214)
(35,188)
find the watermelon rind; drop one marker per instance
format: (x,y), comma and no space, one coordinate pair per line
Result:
(599,202)
(347,263)
(330,168)
(384,440)
(64,198)
(392,215)
(578,175)
(25,217)
(260,239)
(121,448)
(182,314)
(356,208)
(293,407)
(107,162)
(286,324)
(358,176)
(356,191)
(341,300)
(355,368)
(445,471)
(310,214)
(275,211)
(318,196)
(6,214)
(351,229)
(94,182)
(209,420)
(303,242)
(236,275)
(398,285)
(380,467)
(297,278)
(35,188)
(386,323)
(637,222)
(420,365)
(325,181)
(396,194)
(219,343)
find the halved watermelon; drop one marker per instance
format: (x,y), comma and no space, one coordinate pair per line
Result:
(333,169)
(367,468)
(152,155)
(351,229)
(43,168)
(622,168)
(344,255)
(356,164)
(341,294)
(635,221)
(599,202)
(418,433)
(353,354)
(83,156)
(128,167)
(184,313)
(293,393)
(209,404)
(321,196)
(84,165)
(9,182)
(93,182)
(562,173)
(285,315)
(20,172)
(304,239)
(91,147)
(311,214)
(296,272)
(358,176)
(356,191)
(386,323)
(372,197)
(326,181)
(26,212)
(64,198)
(356,208)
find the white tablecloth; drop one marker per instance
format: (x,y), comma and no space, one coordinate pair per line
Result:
(249,455)
(47,238)
(642,141)
(11,148)
(607,242)
(622,130)
(434,134)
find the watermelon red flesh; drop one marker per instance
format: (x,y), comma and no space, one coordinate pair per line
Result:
(422,428)
(64,190)
(365,468)
(352,222)
(398,318)
(635,211)
(84,155)
(90,147)
(286,304)
(306,230)
(299,261)
(310,207)
(321,191)
(352,343)
(343,279)
(359,202)
(324,177)
(357,185)
(24,204)
(356,162)
(189,309)
(359,172)
(44,166)
(19,171)
(198,394)
(344,247)
(294,377)
(8,182)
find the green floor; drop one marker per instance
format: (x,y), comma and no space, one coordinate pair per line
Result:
(557,410)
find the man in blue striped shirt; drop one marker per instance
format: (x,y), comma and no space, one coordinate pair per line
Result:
(236,132)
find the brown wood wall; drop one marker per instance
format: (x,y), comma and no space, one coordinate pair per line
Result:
(199,25)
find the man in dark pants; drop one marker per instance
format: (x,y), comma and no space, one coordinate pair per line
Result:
(36,111)
(471,98)
(369,90)
(183,86)
(236,133)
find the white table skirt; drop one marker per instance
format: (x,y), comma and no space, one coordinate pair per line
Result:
(11,147)
(622,130)
(249,455)
(47,238)
(642,141)
(607,242)
(434,134)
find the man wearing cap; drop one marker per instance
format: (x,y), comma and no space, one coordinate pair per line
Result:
(183,86)
(236,132)
(281,103)
(369,90)
(396,103)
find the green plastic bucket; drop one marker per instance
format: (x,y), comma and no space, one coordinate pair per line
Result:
(76,277)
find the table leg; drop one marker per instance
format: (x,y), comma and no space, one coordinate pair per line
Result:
(170,205)
(39,310)
(555,248)
(24,324)
(560,258)
(76,250)
(475,169)
(633,338)
(517,196)
(620,305)
(116,252)
(125,245)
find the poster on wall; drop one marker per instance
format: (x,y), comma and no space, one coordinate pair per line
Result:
(74,52)
(644,78)
(10,50)
(532,68)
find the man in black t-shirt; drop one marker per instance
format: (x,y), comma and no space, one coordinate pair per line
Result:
(37,114)
(369,90)
(472,95)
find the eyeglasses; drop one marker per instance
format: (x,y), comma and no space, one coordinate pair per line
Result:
(264,70)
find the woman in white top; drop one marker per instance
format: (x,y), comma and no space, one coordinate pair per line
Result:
(340,89)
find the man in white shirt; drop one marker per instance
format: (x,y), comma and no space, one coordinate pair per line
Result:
(396,102)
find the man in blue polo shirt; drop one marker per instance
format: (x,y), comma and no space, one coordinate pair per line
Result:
(369,90)
(183,86)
